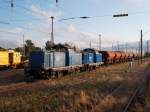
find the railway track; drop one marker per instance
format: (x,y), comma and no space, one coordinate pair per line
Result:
(139,96)
(132,97)
(147,99)
(131,93)
(113,91)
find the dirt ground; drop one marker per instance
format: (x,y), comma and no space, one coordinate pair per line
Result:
(11,76)
(73,93)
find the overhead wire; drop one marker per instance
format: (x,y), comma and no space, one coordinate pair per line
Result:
(99,16)
(8,23)
(80,17)
(27,10)
(83,17)
(71,18)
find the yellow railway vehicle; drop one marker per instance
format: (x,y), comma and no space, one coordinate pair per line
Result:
(10,59)
(4,59)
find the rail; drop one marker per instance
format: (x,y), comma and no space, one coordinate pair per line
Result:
(113,91)
(131,99)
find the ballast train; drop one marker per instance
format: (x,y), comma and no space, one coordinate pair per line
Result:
(61,62)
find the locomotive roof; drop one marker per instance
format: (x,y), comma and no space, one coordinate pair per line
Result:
(89,50)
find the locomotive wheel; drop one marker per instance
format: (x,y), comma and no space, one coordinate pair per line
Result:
(94,67)
(47,76)
(89,69)
(58,74)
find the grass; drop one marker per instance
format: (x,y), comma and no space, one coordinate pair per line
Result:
(78,93)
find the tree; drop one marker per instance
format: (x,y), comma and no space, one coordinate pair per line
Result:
(70,45)
(19,49)
(29,43)
(29,47)
(49,45)
(2,49)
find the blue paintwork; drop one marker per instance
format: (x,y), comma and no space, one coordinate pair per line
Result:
(87,58)
(75,59)
(84,58)
(90,57)
(39,60)
(46,60)
(98,58)
(58,59)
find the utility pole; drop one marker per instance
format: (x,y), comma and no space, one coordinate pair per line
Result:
(52,33)
(23,46)
(90,44)
(118,45)
(126,47)
(139,50)
(112,46)
(100,43)
(147,48)
(12,4)
(141,46)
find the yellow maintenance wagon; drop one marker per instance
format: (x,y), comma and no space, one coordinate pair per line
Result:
(9,59)
(4,59)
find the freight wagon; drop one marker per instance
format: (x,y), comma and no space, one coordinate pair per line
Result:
(111,57)
(118,57)
(108,57)
(123,57)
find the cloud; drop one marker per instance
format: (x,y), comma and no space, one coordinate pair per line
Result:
(68,33)
(8,43)
(137,2)
(44,14)
(71,28)
(40,31)
(11,38)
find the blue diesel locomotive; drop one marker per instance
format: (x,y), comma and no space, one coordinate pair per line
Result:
(57,63)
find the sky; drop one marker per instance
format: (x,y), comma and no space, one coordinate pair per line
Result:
(31,18)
